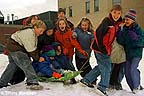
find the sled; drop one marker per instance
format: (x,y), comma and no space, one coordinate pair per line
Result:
(67,76)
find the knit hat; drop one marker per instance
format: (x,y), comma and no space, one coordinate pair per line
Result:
(48,50)
(131,14)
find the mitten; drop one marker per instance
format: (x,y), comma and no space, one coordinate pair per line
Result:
(56,75)
(74,35)
(133,35)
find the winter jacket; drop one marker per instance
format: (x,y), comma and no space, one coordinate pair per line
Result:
(63,61)
(46,67)
(118,55)
(84,39)
(44,39)
(105,35)
(71,25)
(24,40)
(132,47)
(67,42)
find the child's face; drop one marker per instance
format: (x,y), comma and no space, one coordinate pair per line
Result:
(128,21)
(58,50)
(39,31)
(49,32)
(62,25)
(61,14)
(116,14)
(84,25)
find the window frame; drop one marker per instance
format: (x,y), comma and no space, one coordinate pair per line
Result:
(70,11)
(96,5)
(87,7)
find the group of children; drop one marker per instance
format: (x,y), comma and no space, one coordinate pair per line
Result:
(117,44)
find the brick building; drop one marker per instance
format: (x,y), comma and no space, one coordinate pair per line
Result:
(96,10)
(7,29)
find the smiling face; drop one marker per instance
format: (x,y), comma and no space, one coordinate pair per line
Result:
(128,21)
(116,14)
(62,25)
(84,25)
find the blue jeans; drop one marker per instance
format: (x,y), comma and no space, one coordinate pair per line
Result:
(132,73)
(103,68)
(18,60)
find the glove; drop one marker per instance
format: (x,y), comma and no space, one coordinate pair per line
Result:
(74,35)
(133,35)
(56,75)
(84,53)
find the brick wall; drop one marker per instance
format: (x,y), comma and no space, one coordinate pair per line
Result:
(6,31)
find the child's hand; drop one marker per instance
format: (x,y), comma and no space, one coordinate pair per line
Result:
(133,35)
(41,59)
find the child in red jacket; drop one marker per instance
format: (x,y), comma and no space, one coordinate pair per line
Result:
(64,36)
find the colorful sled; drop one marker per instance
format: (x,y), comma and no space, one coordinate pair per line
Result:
(67,76)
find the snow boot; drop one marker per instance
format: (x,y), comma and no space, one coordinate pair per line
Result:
(34,86)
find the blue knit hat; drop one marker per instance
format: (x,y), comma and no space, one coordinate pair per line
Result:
(131,14)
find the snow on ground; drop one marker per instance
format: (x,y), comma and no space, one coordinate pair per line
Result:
(58,89)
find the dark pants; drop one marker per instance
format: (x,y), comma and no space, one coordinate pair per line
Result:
(83,65)
(117,73)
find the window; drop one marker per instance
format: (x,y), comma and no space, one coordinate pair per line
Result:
(96,5)
(87,7)
(70,11)
(116,2)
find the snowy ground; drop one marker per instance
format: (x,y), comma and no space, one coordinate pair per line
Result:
(58,89)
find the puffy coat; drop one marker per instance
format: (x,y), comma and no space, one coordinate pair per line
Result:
(46,66)
(133,48)
(68,42)
(84,39)
(105,35)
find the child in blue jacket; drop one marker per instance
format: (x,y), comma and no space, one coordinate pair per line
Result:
(49,67)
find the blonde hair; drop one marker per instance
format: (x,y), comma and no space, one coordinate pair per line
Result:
(39,24)
(62,19)
(90,25)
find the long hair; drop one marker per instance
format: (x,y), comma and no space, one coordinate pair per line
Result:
(90,25)
(62,19)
